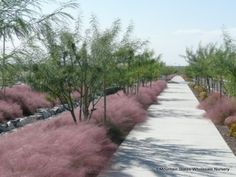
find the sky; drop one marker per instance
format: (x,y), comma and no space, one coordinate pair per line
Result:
(169,25)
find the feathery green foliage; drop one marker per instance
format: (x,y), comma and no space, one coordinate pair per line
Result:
(213,62)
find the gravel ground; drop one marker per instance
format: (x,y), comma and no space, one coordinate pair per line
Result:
(231,141)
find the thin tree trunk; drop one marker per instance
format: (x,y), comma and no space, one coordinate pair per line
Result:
(105,99)
(124,90)
(197,80)
(72,111)
(137,88)
(143,83)
(208,84)
(81,103)
(221,86)
(71,107)
(85,104)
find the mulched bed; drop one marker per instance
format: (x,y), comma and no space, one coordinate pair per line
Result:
(223,130)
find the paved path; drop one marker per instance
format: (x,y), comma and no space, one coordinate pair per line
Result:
(175,141)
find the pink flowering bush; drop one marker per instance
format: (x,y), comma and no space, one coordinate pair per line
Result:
(159,86)
(24,96)
(55,148)
(221,110)
(9,111)
(123,111)
(218,108)
(230,120)
(146,96)
(210,101)
(127,110)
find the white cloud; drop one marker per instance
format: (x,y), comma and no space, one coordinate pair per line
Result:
(201,32)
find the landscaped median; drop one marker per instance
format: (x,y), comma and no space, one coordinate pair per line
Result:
(21,105)
(58,147)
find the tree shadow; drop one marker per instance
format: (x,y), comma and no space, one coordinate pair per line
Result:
(174,99)
(173,113)
(169,91)
(155,155)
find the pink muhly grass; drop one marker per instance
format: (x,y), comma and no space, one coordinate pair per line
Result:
(210,101)
(9,111)
(123,111)
(162,84)
(222,109)
(28,99)
(126,111)
(230,120)
(159,86)
(157,90)
(126,107)
(146,96)
(55,148)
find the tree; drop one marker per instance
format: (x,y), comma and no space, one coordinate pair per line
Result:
(69,66)
(19,20)
(212,62)
(102,51)
(12,24)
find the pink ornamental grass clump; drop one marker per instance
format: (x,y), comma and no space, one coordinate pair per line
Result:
(219,108)
(146,96)
(162,84)
(230,120)
(123,111)
(210,101)
(157,90)
(126,107)
(9,110)
(55,148)
(159,86)
(28,99)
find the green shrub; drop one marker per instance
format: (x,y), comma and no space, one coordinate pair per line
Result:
(115,133)
(203,95)
(232,130)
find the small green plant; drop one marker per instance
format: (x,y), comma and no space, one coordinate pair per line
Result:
(232,130)
(203,95)
(116,134)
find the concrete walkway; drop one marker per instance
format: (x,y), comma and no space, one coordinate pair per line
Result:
(175,141)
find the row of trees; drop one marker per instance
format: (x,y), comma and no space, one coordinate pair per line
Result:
(214,65)
(62,62)
(90,65)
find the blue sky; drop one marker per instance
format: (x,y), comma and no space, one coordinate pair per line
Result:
(169,25)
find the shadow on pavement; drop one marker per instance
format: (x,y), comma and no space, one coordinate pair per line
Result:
(142,153)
